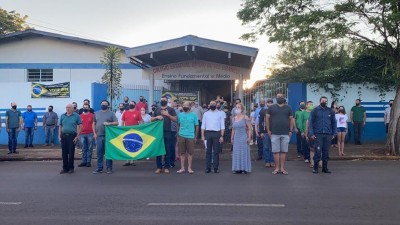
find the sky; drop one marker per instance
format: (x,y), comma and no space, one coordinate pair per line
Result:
(133,23)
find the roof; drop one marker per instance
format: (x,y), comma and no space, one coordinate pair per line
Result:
(189,48)
(20,35)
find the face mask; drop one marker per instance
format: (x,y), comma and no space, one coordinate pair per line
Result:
(85,110)
(302,106)
(262,105)
(50,110)
(218,107)
(280,101)
(141,99)
(185,109)
(357,104)
(126,101)
(238,111)
(323,104)
(204,107)
(153,108)
(121,109)
(14,107)
(164,103)
(390,104)
(75,107)
(213,107)
(29,110)
(104,107)
(311,107)
(131,106)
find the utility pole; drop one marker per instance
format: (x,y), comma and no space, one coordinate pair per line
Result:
(111,87)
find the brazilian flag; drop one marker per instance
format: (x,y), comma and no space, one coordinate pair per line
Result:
(135,142)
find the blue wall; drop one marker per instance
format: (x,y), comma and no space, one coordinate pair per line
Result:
(296,92)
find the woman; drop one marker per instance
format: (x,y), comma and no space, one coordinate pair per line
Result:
(145,117)
(341,119)
(240,138)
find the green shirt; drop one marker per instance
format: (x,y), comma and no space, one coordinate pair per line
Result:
(187,123)
(13,118)
(358,113)
(301,121)
(297,115)
(69,123)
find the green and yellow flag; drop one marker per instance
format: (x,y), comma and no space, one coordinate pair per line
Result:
(135,142)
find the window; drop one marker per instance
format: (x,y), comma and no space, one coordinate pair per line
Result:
(40,75)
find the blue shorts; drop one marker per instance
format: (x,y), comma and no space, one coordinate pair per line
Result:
(341,129)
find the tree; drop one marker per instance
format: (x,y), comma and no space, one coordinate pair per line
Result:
(112,77)
(12,22)
(374,25)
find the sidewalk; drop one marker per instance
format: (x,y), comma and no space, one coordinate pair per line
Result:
(353,152)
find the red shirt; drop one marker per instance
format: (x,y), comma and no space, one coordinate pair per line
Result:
(131,117)
(140,105)
(87,121)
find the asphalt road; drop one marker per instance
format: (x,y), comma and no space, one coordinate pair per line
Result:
(358,192)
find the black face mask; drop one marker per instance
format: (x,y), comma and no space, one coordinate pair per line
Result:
(141,99)
(104,107)
(50,110)
(262,105)
(14,107)
(122,109)
(390,104)
(218,107)
(357,104)
(85,110)
(280,101)
(131,106)
(213,107)
(153,109)
(204,107)
(164,103)
(186,109)
(323,104)
(126,101)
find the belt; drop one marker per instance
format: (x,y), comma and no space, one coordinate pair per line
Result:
(68,134)
(212,131)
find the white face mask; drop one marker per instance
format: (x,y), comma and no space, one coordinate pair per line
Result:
(238,111)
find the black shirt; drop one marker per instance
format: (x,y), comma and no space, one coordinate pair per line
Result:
(167,120)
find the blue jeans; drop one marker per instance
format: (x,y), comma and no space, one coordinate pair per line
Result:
(87,147)
(100,150)
(29,131)
(49,132)
(167,143)
(322,146)
(305,148)
(12,139)
(268,156)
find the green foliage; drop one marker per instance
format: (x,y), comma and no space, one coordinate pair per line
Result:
(112,76)
(11,22)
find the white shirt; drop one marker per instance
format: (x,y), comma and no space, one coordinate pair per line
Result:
(213,121)
(387,113)
(119,114)
(146,118)
(341,120)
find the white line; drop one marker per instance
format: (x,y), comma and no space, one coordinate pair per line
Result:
(217,204)
(10,203)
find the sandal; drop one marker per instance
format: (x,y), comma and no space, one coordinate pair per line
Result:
(284,172)
(275,172)
(180,171)
(191,172)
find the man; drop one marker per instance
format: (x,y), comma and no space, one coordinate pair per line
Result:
(50,120)
(168,115)
(301,122)
(70,128)
(141,104)
(86,136)
(75,107)
(103,118)
(86,102)
(131,117)
(387,115)
(302,108)
(153,109)
(260,140)
(223,115)
(279,123)
(358,117)
(188,125)
(322,129)
(119,113)
(29,119)
(261,132)
(13,126)
(126,103)
(196,109)
(212,130)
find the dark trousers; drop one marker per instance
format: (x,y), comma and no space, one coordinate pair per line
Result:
(68,150)
(212,143)
(260,146)
(299,143)
(305,148)
(12,139)
(29,136)
(173,148)
(167,143)
(254,133)
(358,129)
(322,146)
(199,133)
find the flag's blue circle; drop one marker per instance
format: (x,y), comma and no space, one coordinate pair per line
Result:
(132,142)
(37,90)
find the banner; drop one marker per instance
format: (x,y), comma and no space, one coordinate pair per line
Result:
(61,90)
(135,142)
(180,96)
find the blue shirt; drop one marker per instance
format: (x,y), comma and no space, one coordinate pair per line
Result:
(322,121)
(187,123)
(257,112)
(29,118)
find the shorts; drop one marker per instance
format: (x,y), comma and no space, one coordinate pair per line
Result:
(341,129)
(185,145)
(280,143)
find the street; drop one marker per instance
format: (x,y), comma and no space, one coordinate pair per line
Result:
(357,192)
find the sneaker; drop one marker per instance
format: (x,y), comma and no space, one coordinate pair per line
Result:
(307,161)
(46,145)
(97,171)
(109,171)
(88,165)
(26,146)
(15,152)
(126,164)
(9,153)
(63,171)
(158,171)
(71,171)
(166,171)
(82,165)
(31,146)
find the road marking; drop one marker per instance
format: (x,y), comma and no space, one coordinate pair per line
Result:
(10,203)
(217,204)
